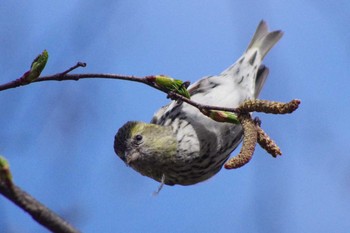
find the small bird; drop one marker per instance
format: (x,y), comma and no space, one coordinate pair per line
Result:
(183,146)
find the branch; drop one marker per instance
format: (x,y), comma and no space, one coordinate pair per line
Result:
(74,77)
(38,211)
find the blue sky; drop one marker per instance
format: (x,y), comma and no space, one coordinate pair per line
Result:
(58,136)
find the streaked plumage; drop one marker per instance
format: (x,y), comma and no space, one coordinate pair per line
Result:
(196,147)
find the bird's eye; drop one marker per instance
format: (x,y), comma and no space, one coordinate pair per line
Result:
(138,138)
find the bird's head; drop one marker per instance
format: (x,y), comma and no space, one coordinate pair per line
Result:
(140,144)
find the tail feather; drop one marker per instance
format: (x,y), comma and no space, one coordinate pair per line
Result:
(261,77)
(263,39)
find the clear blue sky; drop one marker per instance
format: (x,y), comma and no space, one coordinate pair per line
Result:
(58,136)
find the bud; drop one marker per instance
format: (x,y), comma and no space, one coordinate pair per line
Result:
(170,84)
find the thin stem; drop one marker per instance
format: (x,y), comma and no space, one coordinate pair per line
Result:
(247,106)
(174,95)
(79,64)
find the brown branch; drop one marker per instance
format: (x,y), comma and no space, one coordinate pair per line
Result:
(201,107)
(248,106)
(38,211)
(64,76)
(79,64)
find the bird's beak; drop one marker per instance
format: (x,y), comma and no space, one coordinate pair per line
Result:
(130,157)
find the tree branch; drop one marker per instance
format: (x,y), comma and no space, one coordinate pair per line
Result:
(38,211)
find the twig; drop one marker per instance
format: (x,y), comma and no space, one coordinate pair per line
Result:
(79,64)
(247,106)
(201,107)
(76,77)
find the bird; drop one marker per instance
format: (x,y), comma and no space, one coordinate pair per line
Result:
(181,146)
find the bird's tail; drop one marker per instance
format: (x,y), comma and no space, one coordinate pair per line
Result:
(263,39)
